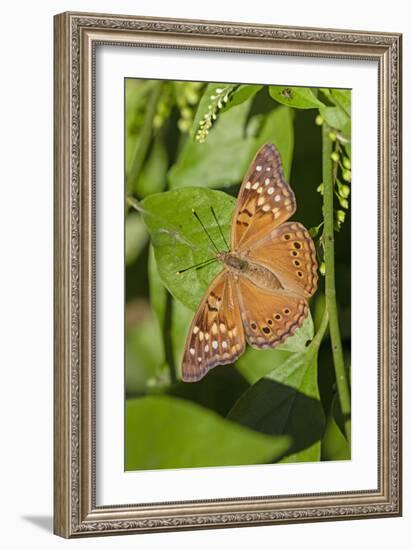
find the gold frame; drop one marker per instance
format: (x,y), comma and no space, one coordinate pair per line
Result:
(75,38)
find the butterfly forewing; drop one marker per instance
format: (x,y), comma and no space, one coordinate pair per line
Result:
(265,199)
(269,317)
(216,336)
(290,253)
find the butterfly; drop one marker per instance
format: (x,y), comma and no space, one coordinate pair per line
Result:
(260,296)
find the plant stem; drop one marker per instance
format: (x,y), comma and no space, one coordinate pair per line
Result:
(145,137)
(330,290)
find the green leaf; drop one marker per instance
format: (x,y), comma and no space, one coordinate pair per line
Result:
(222,159)
(286,402)
(135,236)
(299,98)
(278,129)
(342,98)
(241,94)
(165,432)
(179,241)
(254,364)
(153,176)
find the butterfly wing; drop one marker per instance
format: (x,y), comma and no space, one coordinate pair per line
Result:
(289,252)
(265,200)
(216,335)
(269,317)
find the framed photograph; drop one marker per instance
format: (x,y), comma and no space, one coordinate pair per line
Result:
(227,274)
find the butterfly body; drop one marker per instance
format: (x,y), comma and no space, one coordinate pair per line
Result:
(260,275)
(260,296)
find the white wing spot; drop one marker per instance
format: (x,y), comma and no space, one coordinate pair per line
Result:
(215,345)
(258,168)
(267,181)
(201,335)
(222,327)
(214,328)
(196,330)
(255,185)
(206,348)
(259,191)
(192,351)
(224,344)
(260,201)
(277,198)
(248,185)
(265,208)
(271,190)
(206,336)
(199,359)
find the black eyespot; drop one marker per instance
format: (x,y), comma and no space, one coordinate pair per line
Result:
(297,245)
(253,325)
(270,322)
(300,274)
(294,253)
(286,311)
(296,262)
(287,237)
(266,330)
(277,317)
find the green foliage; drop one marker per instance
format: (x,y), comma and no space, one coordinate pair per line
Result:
(188,146)
(179,241)
(299,98)
(175,433)
(285,401)
(210,164)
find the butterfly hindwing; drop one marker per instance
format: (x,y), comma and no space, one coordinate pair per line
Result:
(216,334)
(269,317)
(290,253)
(265,199)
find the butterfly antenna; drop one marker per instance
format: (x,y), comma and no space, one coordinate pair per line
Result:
(197,266)
(219,226)
(205,230)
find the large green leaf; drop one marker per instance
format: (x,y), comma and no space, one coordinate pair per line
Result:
(222,159)
(166,432)
(286,401)
(293,96)
(179,241)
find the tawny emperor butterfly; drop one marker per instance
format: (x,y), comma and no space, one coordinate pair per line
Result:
(261,294)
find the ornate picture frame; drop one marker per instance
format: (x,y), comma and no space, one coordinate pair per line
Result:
(76,36)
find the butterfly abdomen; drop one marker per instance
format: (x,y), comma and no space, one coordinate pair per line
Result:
(259,275)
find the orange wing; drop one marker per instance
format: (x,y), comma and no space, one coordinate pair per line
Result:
(216,334)
(265,200)
(269,317)
(290,253)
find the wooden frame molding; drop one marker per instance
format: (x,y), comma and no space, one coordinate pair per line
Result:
(76,37)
